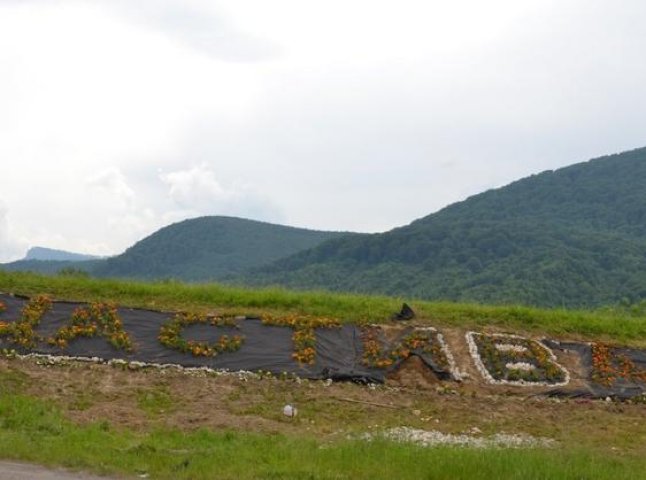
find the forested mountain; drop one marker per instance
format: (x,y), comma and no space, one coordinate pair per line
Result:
(42,253)
(49,260)
(51,266)
(209,248)
(199,249)
(573,237)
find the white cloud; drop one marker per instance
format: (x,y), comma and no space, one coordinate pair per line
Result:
(196,191)
(199,25)
(126,216)
(347,114)
(11,248)
(112,182)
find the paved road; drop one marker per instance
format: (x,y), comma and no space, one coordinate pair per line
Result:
(25,471)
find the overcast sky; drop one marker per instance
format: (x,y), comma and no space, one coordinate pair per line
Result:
(118,117)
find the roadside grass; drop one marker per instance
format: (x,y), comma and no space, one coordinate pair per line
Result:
(155,401)
(35,431)
(173,425)
(146,400)
(12,381)
(603,324)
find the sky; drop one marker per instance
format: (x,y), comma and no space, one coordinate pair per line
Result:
(118,117)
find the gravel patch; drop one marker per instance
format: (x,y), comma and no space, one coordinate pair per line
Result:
(433,438)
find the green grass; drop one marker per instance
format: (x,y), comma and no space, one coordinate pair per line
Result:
(155,401)
(12,381)
(608,324)
(35,431)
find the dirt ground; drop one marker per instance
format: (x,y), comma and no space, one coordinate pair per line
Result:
(413,397)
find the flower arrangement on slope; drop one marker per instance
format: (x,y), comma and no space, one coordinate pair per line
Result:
(170,335)
(304,336)
(513,360)
(92,320)
(608,367)
(425,341)
(373,355)
(4,326)
(21,332)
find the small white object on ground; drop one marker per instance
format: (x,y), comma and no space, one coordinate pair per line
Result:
(290,411)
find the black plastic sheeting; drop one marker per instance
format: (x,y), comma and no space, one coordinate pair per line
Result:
(621,388)
(339,350)
(268,348)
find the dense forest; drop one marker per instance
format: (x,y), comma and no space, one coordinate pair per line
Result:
(209,248)
(570,237)
(199,249)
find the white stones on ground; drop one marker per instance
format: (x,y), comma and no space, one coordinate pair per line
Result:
(508,347)
(45,359)
(523,366)
(477,359)
(433,438)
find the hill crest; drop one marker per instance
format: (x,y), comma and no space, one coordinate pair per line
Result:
(570,237)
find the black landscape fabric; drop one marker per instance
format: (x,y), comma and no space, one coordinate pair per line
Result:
(267,348)
(621,388)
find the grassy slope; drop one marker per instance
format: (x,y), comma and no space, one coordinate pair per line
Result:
(609,324)
(162,426)
(39,431)
(35,431)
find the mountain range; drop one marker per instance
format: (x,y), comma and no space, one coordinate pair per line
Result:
(199,249)
(572,237)
(46,254)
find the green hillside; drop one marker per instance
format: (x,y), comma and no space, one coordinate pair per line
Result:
(570,237)
(209,248)
(46,254)
(50,261)
(199,249)
(51,266)
(574,237)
